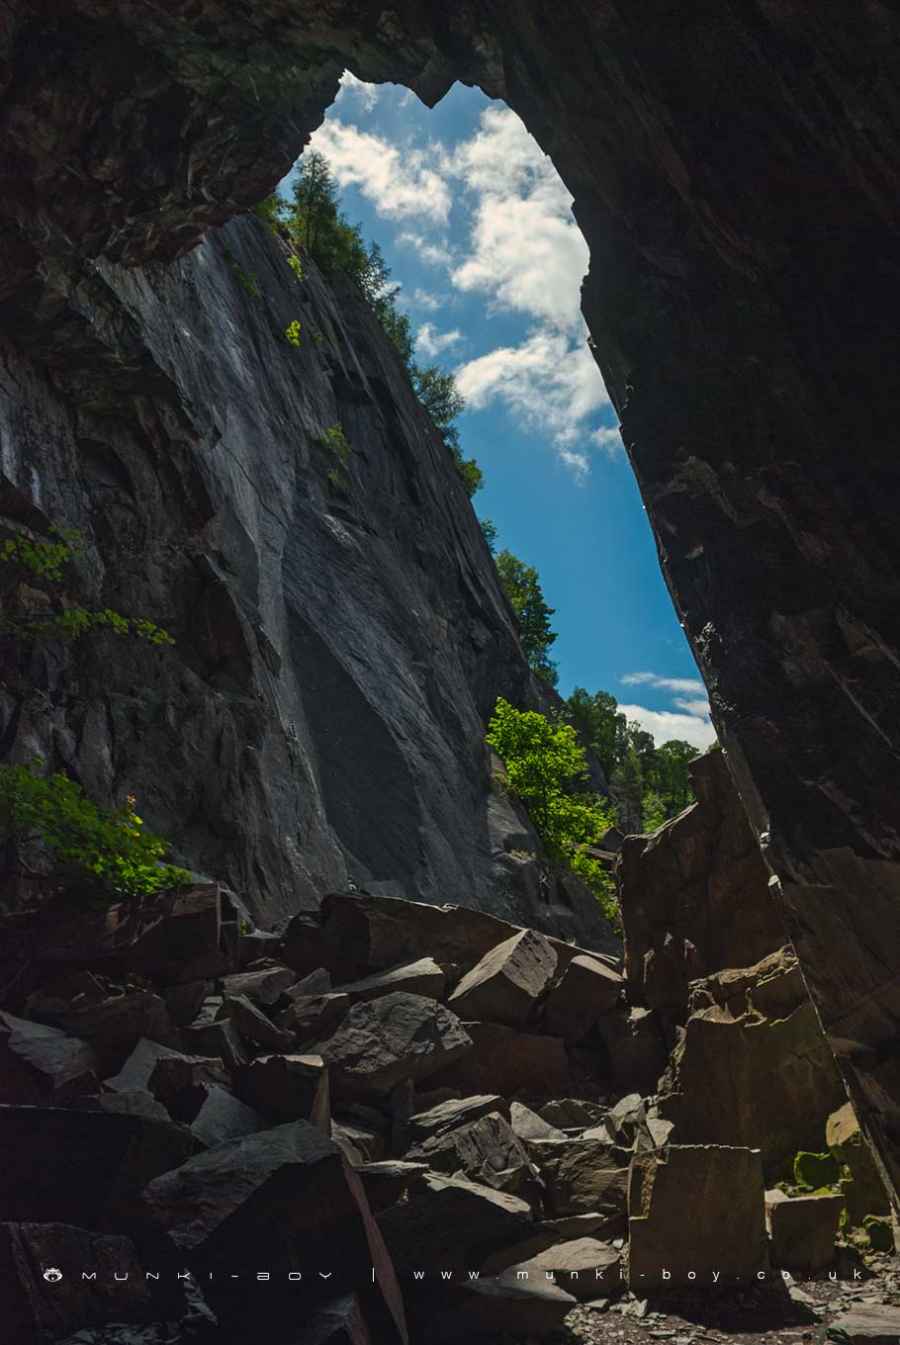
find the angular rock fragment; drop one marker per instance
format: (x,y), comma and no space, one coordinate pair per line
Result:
(318,982)
(310,1017)
(386,1181)
(219,1038)
(289,1088)
(130,1102)
(485,1151)
(253,1024)
(138,1068)
(869,1324)
(515,1064)
(508,982)
(534,1308)
(385,1041)
(265,986)
(528,1125)
(423,977)
(666,1248)
(185,1001)
(423,1125)
(179,1082)
(452,1223)
(635,1049)
(302,946)
(584,1267)
(43,1064)
(582,1175)
(802,1229)
(223,1117)
(862,1186)
(586,991)
(572,1113)
(186,945)
(341,1322)
(358,1144)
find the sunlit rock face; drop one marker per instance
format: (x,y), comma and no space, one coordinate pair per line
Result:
(734,170)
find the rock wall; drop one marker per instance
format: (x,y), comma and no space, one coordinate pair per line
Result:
(734,169)
(340,633)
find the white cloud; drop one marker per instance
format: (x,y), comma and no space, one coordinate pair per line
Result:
(527,253)
(367,94)
(699,707)
(667,724)
(684,685)
(438,254)
(609,440)
(431,342)
(398,182)
(550,386)
(425,299)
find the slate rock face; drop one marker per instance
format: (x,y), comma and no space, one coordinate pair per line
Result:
(506,985)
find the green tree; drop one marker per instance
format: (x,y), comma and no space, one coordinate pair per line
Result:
(522,586)
(545,766)
(628,790)
(489,530)
(671,775)
(653,811)
(600,725)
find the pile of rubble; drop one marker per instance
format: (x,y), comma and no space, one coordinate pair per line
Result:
(394,1118)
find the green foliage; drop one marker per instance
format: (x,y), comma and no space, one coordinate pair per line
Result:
(522,587)
(654,811)
(545,765)
(271,211)
(46,561)
(292,333)
(296,265)
(335,441)
(489,530)
(814,1171)
(108,846)
(246,279)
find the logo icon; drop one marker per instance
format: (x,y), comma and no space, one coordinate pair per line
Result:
(53,1275)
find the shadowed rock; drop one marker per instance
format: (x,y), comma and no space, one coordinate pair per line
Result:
(43,1064)
(506,985)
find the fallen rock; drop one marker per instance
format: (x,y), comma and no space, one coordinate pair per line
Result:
(187,943)
(664,1247)
(528,1125)
(582,1175)
(423,977)
(318,982)
(224,1117)
(586,990)
(303,948)
(516,1064)
(289,1088)
(508,982)
(265,986)
(386,1181)
(185,1001)
(635,1049)
(310,1017)
(220,1038)
(382,1042)
(84,1166)
(424,1124)
(341,1322)
(485,1151)
(504,1303)
(452,1223)
(137,1070)
(43,1064)
(584,1267)
(358,1144)
(627,1123)
(38,1308)
(129,1102)
(254,1026)
(862,1187)
(180,1082)
(869,1324)
(116,1021)
(802,1229)
(572,1113)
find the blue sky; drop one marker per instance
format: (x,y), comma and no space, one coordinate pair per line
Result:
(476,226)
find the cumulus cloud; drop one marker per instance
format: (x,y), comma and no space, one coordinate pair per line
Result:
(608,439)
(435,253)
(549,384)
(399,183)
(367,95)
(431,342)
(668,724)
(425,299)
(681,685)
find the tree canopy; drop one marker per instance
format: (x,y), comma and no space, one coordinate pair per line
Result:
(522,586)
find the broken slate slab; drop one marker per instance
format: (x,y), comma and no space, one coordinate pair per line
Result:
(802,1229)
(43,1064)
(586,991)
(253,1025)
(265,986)
(289,1088)
(508,982)
(224,1117)
(423,977)
(423,1125)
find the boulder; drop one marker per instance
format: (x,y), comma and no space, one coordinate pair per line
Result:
(289,1088)
(582,1176)
(453,1224)
(128,1102)
(43,1064)
(187,943)
(423,977)
(220,1038)
(84,1166)
(223,1117)
(386,1181)
(516,1064)
(572,1113)
(358,1144)
(310,1017)
(753,1082)
(425,1124)
(340,1322)
(318,982)
(528,1125)
(868,1324)
(635,1049)
(138,1068)
(114,1022)
(185,1001)
(265,986)
(383,1042)
(486,1151)
(586,990)
(667,1249)
(180,1082)
(627,1123)
(503,1306)
(802,1230)
(508,982)
(861,1182)
(303,948)
(254,1026)
(583,1267)
(36,1307)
